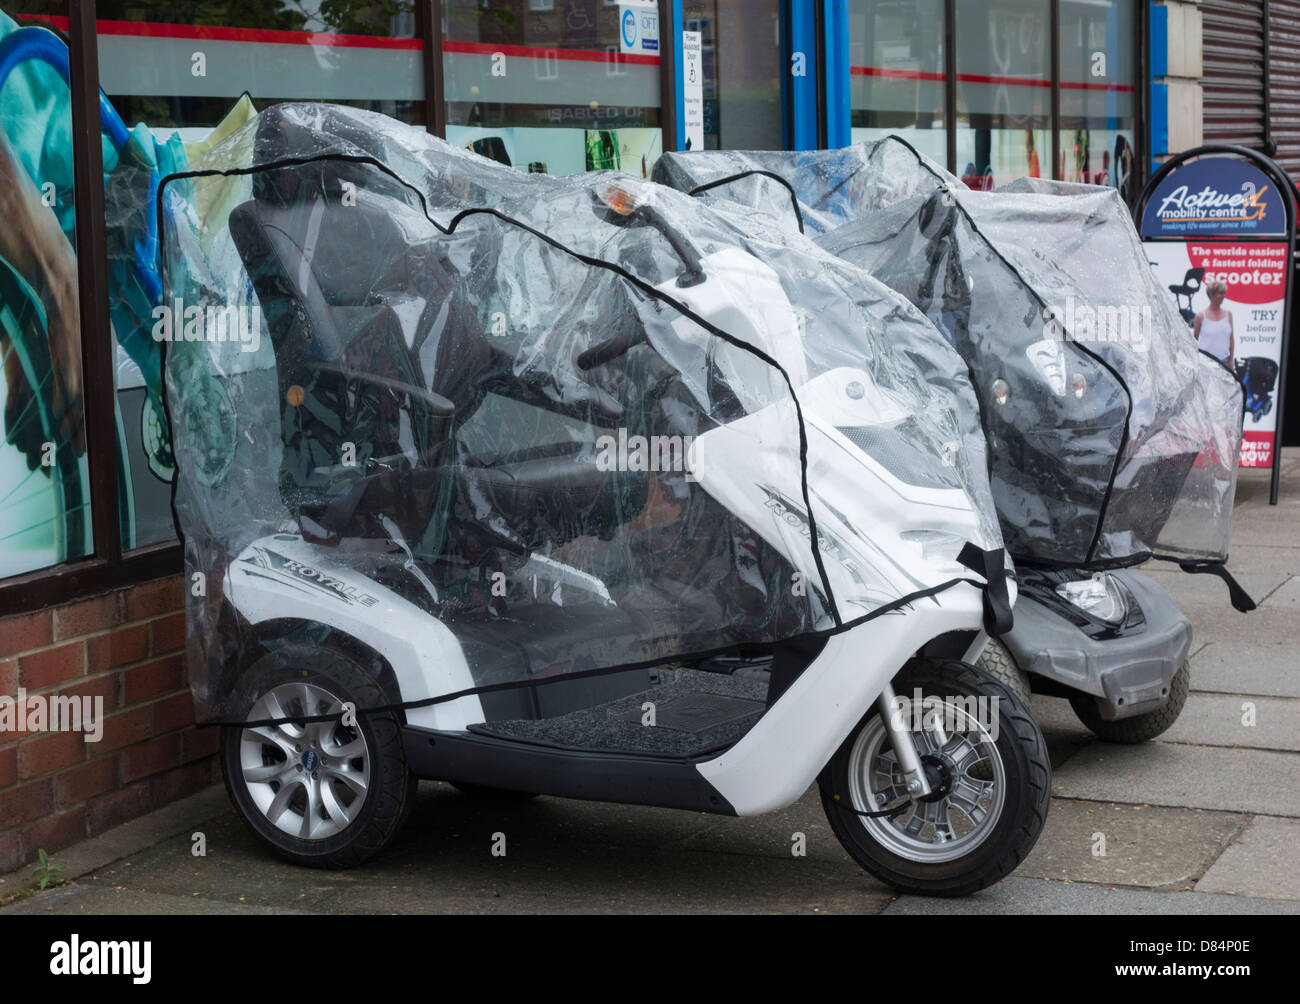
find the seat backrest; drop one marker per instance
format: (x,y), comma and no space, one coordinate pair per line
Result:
(319,268)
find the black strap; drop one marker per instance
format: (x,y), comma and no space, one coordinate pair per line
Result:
(998,617)
(1240,598)
(893,811)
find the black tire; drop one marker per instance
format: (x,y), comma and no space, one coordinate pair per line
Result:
(482,793)
(391,789)
(999,663)
(1010,834)
(1139,728)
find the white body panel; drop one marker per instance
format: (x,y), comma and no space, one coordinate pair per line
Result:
(776,761)
(286,577)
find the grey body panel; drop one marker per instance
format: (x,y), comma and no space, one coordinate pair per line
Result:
(1129,674)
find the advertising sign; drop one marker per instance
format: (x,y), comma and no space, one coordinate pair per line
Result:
(1249,337)
(1217,232)
(638,28)
(693,89)
(1216,197)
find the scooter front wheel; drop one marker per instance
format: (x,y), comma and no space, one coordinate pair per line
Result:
(990,777)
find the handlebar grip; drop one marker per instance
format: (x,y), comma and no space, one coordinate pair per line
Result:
(600,354)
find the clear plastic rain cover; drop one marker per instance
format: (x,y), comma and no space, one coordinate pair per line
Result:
(512,427)
(1111,436)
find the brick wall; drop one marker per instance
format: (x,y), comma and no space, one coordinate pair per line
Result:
(126,646)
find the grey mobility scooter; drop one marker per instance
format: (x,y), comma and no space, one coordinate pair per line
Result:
(497,462)
(1111,438)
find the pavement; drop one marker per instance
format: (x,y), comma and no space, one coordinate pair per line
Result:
(1204,820)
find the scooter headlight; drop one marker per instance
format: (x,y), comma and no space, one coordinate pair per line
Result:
(937,546)
(1099,597)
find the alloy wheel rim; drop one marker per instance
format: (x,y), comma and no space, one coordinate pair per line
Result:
(308,779)
(945,828)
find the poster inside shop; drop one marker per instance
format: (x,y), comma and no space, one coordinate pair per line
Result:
(1213,220)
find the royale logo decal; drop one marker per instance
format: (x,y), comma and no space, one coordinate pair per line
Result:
(315,577)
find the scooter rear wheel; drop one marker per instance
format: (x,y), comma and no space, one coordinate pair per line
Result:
(321,794)
(989,773)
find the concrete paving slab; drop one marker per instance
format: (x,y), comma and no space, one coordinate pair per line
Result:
(560,856)
(1280,556)
(1133,845)
(1222,720)
(1174,774)
(120,841)
(555,880)
(1263,861)
(1224,624)
(1195,592)
(1286,596)
(1254,521)
(97,900)
(1017,895)
(772,834)
(1271,670)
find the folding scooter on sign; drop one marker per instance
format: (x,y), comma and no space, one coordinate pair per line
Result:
(514,448)
(1111,438)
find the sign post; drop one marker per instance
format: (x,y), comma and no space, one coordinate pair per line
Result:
(1222,219)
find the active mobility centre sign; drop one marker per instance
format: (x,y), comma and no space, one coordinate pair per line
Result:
(1219,228)
(1220,197)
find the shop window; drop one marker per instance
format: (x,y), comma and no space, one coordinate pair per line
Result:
(44,475)
(896,61)
(743,69)
(1097,93)
(555,87)
(190,73)
(1004,91)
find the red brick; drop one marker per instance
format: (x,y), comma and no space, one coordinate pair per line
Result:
(88,616)
(182,781)
(148,758)
(117,648)
(84,782)
(151,599)
(125,728)
(8,677)
(116,807)
(52,665)
(26,632)
(172,713)
(8,768)
(150,679)
(168,633)
(50,752)
(103,686)
(11,855)
(25,803)
(199,743)
(55,833)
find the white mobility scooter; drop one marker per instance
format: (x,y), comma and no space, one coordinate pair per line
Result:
(1111,439)
(511,454)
